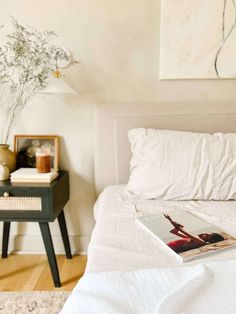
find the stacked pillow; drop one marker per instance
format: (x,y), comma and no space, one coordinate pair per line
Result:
(175,165)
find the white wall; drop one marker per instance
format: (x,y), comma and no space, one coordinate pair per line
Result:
(117,44)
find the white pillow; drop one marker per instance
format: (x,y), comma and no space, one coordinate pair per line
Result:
(174,165)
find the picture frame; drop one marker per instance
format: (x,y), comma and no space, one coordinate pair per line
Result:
(25,147)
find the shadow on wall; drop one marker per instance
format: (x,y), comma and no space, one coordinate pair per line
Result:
(79,210)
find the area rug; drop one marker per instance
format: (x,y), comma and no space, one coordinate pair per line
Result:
(32,302)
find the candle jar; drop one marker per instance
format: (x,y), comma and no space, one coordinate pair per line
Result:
(43,162)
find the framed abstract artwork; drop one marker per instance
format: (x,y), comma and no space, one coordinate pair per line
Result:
(26,146)
(198,39)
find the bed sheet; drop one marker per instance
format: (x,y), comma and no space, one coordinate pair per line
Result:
(207,289)
(119,243)
(130,272)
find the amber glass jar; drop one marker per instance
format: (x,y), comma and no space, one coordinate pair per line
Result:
(43,163)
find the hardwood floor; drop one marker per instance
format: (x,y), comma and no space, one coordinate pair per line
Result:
(32,273)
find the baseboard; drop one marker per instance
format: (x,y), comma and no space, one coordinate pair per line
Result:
(33,244)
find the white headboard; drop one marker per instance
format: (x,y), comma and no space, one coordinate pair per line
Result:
(112,153)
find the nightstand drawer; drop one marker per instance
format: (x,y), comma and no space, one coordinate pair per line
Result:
(20,203)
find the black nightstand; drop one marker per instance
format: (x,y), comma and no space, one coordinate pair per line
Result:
(42,203)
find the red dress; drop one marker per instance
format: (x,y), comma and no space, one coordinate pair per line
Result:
(178,245)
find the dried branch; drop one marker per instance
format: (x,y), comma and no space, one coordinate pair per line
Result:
(27,59)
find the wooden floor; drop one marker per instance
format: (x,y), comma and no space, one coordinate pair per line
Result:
(32,273)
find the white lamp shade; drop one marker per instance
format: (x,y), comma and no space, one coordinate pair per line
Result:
(58,86)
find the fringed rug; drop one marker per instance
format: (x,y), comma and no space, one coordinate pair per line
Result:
(32,302)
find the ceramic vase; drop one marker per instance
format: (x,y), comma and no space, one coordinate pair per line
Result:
(7,157)
(4,172)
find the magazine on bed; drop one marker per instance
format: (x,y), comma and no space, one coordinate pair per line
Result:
(187,235)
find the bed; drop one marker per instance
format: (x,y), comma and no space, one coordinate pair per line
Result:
(128,270)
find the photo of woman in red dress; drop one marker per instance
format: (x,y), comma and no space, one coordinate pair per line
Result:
(189,241)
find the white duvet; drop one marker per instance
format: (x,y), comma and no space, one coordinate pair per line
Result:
(202,289)
(129,271)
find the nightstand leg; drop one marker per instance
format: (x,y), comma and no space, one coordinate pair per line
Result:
(5,238)
(47,239)
(64,234)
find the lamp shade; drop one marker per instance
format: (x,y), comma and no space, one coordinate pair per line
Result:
(58,86)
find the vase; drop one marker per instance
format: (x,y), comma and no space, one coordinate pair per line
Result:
(4,172)
(7,157)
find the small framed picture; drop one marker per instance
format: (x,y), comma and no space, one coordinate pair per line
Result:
(26,146)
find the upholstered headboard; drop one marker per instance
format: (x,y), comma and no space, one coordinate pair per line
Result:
(112,121)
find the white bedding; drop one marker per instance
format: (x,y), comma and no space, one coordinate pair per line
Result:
(124,260)
(118,243)
(177,165)
(201,289)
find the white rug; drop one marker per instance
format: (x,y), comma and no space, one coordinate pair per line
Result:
(32,302)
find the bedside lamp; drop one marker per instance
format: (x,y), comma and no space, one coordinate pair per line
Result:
(57,85)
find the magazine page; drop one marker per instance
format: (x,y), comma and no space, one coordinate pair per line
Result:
(186,234)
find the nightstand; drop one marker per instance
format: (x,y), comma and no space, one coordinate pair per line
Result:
(37,202)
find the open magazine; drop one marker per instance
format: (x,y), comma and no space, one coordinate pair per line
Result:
(187,235)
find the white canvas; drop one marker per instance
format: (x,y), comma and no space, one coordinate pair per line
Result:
(198,39)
